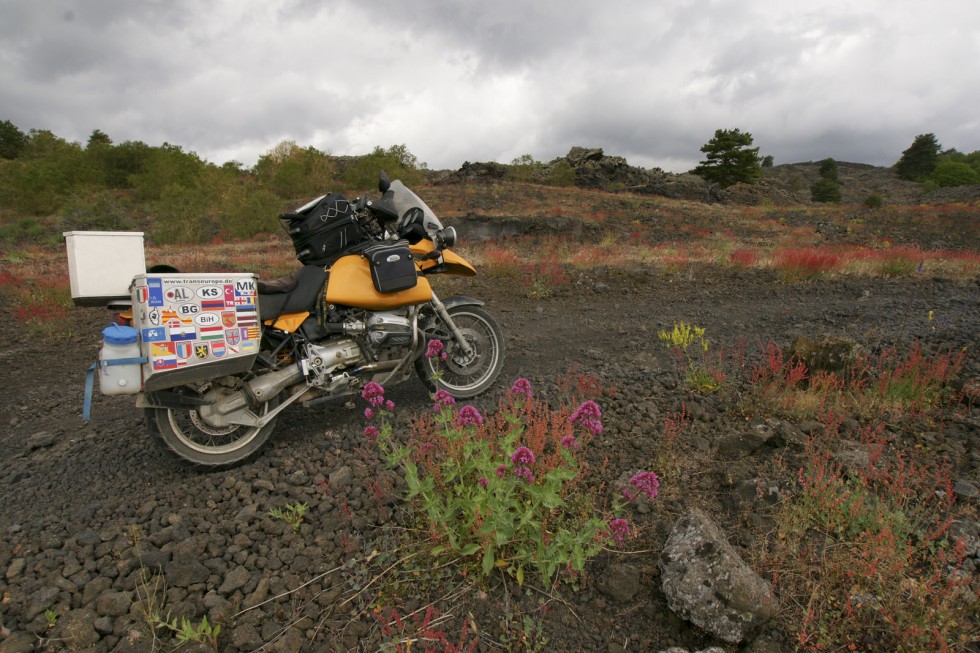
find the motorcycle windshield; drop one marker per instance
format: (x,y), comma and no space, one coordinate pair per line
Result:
(405,200)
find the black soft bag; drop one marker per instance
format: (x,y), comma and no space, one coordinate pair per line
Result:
(392,266)
(323,233)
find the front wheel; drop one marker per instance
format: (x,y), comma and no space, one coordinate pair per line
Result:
(461,375)
(184,434)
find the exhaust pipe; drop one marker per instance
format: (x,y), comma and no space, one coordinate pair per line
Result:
(233,409)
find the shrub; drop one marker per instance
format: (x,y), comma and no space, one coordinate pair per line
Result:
(874,201)
(502,489)
(826,190)
(729,159)
(952,173)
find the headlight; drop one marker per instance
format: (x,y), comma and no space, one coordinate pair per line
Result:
(447,237)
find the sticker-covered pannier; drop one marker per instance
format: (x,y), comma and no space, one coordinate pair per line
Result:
(392,266)
(324,230)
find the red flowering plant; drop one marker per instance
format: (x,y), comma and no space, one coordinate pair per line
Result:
(499,489)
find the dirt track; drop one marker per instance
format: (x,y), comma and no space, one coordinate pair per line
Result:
(71,494)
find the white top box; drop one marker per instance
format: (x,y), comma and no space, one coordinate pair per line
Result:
(102,264)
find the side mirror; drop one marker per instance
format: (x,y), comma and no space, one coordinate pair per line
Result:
(384,182)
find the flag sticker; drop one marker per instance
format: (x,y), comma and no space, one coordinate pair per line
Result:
(155,290)
(154,334)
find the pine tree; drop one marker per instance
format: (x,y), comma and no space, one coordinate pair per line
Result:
(920,159)
(730,159)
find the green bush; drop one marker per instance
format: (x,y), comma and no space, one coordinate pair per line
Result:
(874,201)
(953,173)
(825,190)
(561,174)
(256,213)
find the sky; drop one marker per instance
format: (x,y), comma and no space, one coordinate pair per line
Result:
(492,80)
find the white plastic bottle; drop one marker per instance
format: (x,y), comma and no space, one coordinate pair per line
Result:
(120,342)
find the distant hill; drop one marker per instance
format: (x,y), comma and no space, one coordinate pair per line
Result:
(782,184)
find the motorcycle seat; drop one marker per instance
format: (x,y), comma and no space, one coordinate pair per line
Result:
(291,294)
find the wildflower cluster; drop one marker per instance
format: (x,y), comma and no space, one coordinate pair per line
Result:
(499,488)
(436,349)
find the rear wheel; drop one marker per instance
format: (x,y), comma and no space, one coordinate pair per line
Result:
(186,435)
(462,375)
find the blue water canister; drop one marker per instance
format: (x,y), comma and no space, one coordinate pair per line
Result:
(120,342)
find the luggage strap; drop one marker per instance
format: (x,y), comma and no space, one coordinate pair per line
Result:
(90,378)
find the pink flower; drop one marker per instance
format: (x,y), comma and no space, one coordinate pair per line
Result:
(619,530)
(390,406)
(368,413)
(442,400)
(374,394)
(468,415)
(522,387)
(570,443)
(483,481)
(501,470)
(522,456)
(371,432)
(434,348)
(525,473)
(588,415)
(643,483)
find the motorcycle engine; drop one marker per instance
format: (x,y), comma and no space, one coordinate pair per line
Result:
(389,330)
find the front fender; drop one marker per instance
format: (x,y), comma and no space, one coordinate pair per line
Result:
(461,300)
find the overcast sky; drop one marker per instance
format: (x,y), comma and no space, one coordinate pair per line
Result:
(491,80)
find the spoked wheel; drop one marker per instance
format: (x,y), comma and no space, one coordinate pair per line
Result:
(461,375)
(185,434)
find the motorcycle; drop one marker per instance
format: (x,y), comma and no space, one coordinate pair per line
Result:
(360,310)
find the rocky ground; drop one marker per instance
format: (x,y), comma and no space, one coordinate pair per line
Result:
(86,508)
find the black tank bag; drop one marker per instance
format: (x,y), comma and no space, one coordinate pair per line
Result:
(392,266)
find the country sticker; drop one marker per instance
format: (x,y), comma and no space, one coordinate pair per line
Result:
(212,304)
(178,295)
(153,334)
(179,332)
(184,349)
(233,336)
(228,319)
(218,349)
(211,333)
(201,351)
(229,296)
(155,290)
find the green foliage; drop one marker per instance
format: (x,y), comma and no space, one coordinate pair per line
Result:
(767,161)
(98,138)
(825,190)
(181,216)
(253,211)
(874,201)
(920,159)
(501,491)
(700,376)
(954,173)
(730,159)
(98,211)
(12,140)
(561,174)
(291,513)
(828,170)
(292,172)
(397,161)
(524,168)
